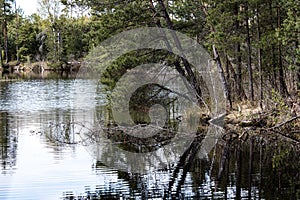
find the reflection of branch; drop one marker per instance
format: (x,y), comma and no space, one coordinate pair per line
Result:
(186,168)
(223,159)
(185,162)
(65,133)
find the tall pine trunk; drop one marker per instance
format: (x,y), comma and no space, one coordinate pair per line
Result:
(259,57)
(17,32)
(1,58)
(274,63)
(298,78)
(282,84)
(238,78)
(273,60)
(249,59)
(297,71)
(5,34)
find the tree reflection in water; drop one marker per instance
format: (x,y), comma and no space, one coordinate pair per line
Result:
(255,168)
(259,167)
(8,142)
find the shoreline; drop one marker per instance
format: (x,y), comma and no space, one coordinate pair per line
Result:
(39,67)
(273,124)
(281,119)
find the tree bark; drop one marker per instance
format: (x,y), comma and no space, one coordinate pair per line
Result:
(259,57)
(191,77)
(17,32)
(221,72)
(238,55)
(5,34)
(219,64)
(273,61)
(298,79)
(1,59)
(249,62)
(282,84)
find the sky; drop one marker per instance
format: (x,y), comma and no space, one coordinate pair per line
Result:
(29,6)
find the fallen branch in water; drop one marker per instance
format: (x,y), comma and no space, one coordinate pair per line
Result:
(284,136)
(283,123)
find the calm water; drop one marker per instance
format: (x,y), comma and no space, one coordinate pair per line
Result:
(46,153)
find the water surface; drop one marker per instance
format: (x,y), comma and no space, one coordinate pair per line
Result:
(36,115)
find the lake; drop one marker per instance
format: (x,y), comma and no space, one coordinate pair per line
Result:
(49,149)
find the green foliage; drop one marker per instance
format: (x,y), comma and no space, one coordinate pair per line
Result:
(288,33)
(6,16)
(131,60)
(74,43)
(59,34)
(279,102)
(26,29)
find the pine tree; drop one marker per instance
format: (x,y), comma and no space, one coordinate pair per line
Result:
(6,15)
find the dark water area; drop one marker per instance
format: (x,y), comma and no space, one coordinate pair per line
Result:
(51,148)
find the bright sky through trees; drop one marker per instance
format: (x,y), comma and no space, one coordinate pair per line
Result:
(29,6)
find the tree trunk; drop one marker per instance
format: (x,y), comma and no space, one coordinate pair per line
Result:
(297,72)
(298,79)
(221,72)
(5,34)
(282,84)
(259,57)
(1,58)
(273,61)
(238,78)
(249,62)
(227,71)
(190,74)
(220,68)
(17,32)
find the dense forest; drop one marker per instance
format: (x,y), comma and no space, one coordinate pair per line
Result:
(255,43)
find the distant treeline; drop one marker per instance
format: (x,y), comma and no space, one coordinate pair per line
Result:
(255,43)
